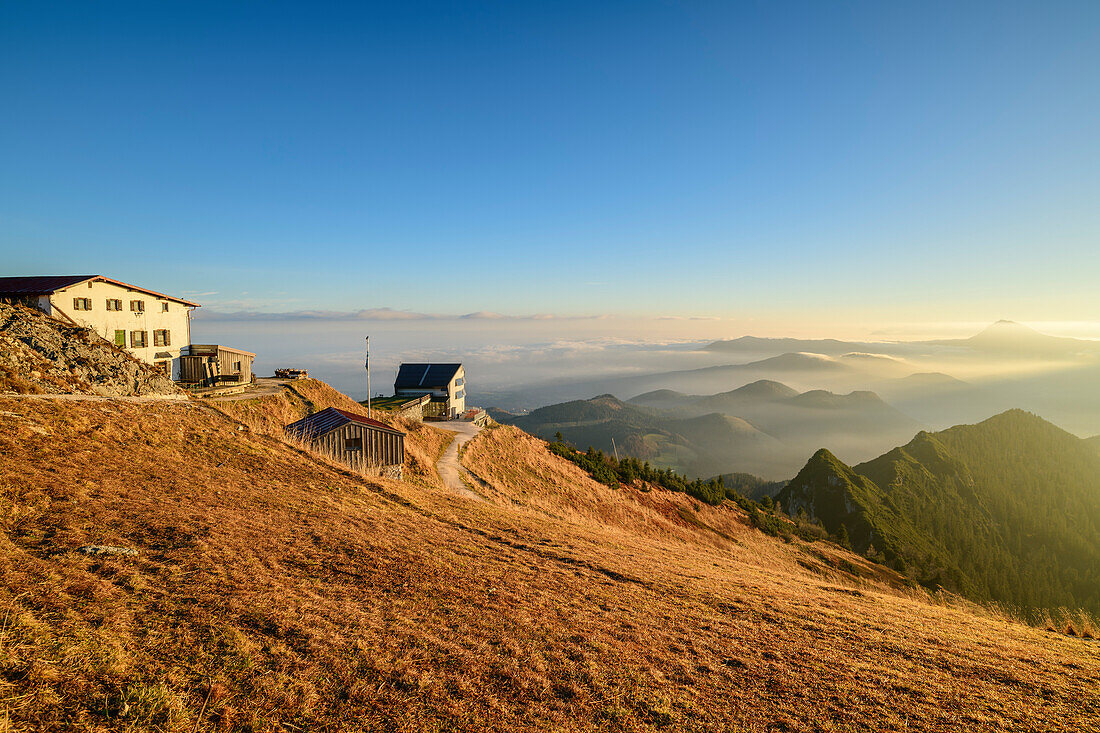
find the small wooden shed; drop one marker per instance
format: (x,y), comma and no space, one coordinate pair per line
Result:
(363,444)
(209,364)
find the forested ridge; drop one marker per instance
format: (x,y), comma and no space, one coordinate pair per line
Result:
(1007,510)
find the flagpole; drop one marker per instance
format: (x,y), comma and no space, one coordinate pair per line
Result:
(367,364)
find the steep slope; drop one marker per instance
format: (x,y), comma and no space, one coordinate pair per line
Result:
(273,591)
(270,413)
(1007,510)
(40,355)
(829,490)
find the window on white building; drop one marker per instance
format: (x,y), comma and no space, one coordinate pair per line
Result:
(138,306)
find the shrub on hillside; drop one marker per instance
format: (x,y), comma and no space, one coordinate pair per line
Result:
(767,517)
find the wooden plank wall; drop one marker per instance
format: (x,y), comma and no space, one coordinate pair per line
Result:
(191,368)
(379,448)
(227,358)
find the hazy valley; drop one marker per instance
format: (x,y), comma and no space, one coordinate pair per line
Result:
(858,399)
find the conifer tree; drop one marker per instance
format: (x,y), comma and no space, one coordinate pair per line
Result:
(842,538)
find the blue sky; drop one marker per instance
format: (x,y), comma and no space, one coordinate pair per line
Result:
(817,162)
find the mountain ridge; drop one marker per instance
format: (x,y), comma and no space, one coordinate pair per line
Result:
(659,426)
(999,510)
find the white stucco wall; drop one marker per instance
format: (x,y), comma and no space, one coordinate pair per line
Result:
(177,320)
(458,404)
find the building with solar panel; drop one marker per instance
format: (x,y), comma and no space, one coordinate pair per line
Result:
(445,384)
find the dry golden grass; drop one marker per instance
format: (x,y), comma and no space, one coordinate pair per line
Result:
(276,592)
(269,414)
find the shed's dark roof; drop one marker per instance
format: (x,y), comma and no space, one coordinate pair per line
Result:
(46,284)
(329,419)
(426,376)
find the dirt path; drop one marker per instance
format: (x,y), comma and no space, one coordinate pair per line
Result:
(450,470)
(80,397)
(262,387)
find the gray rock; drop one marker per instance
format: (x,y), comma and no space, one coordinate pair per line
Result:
(106,550)
(59,358)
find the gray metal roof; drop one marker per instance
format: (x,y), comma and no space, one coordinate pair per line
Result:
(327,420)
(425,376)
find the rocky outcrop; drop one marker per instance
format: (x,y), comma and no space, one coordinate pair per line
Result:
(40,355)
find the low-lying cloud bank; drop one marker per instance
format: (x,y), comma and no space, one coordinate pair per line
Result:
(382,314)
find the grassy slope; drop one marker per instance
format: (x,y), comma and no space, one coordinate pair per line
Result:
(274,591)
(268,415)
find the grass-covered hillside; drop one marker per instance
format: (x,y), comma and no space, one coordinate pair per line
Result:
(272,590)
(1005,510)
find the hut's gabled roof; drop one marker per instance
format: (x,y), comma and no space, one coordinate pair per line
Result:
(425,376)
(39,284)
(47,284)
(327,420)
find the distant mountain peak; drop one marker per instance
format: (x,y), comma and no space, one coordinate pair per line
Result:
(801,361)
(764,388)
(824,455)
(1008,330)
(822,398)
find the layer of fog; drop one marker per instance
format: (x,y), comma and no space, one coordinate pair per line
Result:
(521,364)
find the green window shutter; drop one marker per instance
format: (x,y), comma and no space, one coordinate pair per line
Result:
(120,338)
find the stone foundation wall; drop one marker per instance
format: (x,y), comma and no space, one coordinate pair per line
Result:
(394,473)
(416,412)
